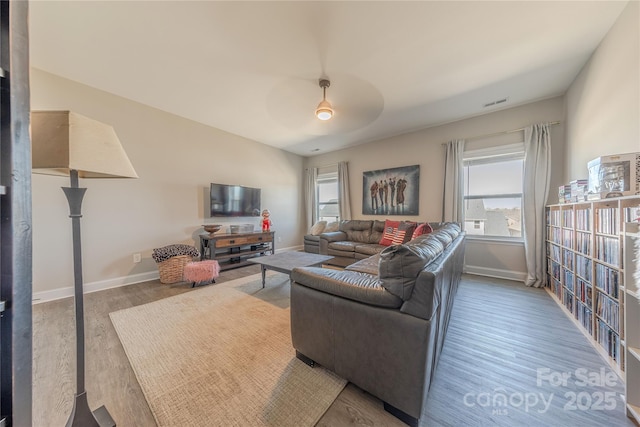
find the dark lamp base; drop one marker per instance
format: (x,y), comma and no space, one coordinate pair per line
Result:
(81,415)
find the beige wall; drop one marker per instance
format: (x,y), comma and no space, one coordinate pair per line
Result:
(176,160)
(425,149)
(603,103)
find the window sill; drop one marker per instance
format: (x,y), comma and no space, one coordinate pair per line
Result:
(514,241)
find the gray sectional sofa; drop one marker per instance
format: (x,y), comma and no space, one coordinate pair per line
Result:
(355,240)
(381,322)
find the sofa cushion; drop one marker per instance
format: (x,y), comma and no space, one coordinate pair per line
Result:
(369,249)
(357,230)
(444,237)
(400,264)
(353,285)
(368,265)
(377,231)
(421,229)
(344,246)
(318,228)
(452,228)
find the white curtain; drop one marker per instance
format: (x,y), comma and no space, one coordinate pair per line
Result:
(537,170)
(311,179)
(344,197)
(453,182)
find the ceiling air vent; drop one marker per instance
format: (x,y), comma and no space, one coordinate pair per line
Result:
(499,101)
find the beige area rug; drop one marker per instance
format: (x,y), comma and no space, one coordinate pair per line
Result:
(222,356)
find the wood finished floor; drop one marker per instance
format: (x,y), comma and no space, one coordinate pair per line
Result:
(500,336)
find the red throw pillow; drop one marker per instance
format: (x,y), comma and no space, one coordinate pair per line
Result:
(390,228)
(404,232)
(424,228)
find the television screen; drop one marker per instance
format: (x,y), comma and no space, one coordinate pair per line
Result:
(234,200)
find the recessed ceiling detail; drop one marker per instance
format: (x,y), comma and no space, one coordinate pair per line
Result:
(355,103)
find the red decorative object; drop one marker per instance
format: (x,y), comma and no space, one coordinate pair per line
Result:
(266,222)
(423,228)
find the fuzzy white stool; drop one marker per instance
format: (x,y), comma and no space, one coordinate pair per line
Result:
(198,272)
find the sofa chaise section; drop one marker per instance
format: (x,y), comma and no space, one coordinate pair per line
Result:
(381,322)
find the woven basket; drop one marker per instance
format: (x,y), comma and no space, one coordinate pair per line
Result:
(171,270)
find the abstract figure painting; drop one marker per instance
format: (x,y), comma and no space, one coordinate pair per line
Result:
(391,191)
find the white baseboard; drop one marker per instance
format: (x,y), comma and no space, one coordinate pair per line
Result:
(59,293)
(54,294)
(495,272)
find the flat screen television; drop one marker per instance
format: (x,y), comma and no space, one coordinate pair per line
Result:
(234,200)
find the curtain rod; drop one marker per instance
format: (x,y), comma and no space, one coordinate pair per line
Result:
(505,132)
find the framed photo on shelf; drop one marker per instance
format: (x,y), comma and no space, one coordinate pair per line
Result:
(391,191)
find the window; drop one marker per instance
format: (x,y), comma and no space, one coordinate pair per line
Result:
(327,196)
(493,191)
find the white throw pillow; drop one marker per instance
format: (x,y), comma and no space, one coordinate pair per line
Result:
(332,226)
(318,228)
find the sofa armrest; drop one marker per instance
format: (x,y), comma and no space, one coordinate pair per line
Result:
(437,284)
(332,236)
(425,298)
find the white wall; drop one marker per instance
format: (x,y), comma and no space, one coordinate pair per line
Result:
(603,102)
(425,148)
(176,160)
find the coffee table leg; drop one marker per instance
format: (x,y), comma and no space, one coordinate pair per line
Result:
(263,270)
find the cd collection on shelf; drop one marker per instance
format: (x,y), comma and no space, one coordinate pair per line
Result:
(608,311)
(583,242)
(585,273)
(609,340)
(607,221)
(608,250)
(607,280)
(583,219)
(583,267)
(584,292)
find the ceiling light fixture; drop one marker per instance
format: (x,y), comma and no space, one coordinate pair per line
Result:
(324,110)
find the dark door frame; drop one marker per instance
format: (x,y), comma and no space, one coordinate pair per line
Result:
(15,217)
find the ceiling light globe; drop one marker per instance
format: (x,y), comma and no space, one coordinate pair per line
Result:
(324,114)
(324,111)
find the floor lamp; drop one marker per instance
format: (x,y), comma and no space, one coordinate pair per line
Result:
(68,144)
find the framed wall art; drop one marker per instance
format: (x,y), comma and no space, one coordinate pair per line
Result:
(391,191)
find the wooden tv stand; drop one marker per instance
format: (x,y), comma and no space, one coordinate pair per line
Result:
(234,250)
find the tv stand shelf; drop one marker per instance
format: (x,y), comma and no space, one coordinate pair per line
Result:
(233,250)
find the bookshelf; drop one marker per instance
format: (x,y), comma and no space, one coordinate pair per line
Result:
(585,270)
(632,318)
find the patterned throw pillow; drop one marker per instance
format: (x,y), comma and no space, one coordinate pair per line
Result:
(423,228)
(404,233)
(390,228)
(397,232)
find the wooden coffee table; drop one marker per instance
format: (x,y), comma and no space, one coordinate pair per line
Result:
(285,262)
